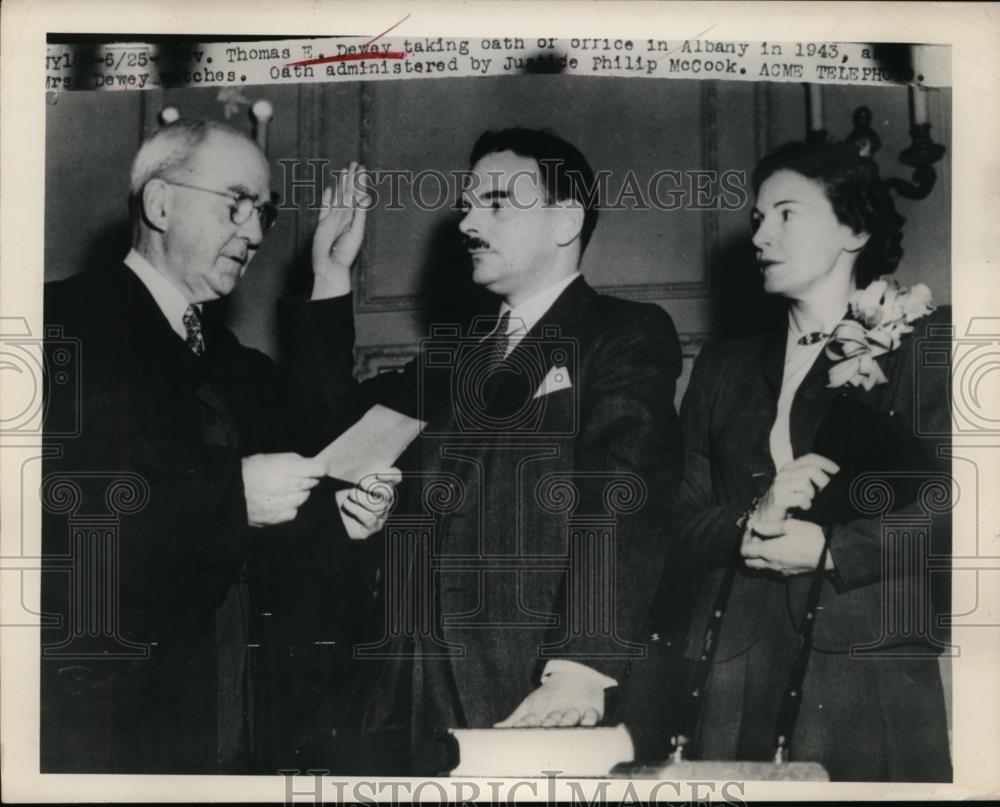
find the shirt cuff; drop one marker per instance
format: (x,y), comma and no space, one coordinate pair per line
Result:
(564,665)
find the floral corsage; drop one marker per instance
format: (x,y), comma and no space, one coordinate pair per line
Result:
(880,315)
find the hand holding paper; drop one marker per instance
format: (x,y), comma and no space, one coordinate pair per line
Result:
(364,508)
(276,485)
(360,456)
(372,444)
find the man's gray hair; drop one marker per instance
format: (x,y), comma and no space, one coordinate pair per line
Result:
(170,148)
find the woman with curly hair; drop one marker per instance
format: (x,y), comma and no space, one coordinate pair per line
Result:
(802,451)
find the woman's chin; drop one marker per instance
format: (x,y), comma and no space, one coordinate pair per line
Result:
(783,284)
(773,285)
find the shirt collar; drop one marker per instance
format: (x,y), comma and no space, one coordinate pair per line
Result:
(168,297)
(526,315)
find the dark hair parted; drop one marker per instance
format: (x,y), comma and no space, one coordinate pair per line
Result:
(855,191)
(565,171)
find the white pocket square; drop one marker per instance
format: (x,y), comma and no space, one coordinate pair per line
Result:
(556,379)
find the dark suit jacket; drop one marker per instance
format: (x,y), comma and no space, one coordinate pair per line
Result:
(727,416)
(517,475)
(171,429)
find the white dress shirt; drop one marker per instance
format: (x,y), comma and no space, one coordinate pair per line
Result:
(526,315)
(168,297)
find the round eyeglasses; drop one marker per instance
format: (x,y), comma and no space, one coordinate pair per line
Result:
(241,205)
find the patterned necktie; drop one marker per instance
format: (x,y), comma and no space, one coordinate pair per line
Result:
(192,324)
(500,339)
(812,337)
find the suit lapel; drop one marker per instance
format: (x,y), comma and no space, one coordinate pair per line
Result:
(811,402)
(543,347)
(144,326)
(569,308)
(762,407)
(772,360)
(560,321)
(157,348)
(809,405)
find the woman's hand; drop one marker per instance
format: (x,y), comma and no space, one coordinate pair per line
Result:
(339,232)
(795,485)
(795,551)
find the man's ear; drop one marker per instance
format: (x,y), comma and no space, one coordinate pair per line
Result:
(569,221)
(857,241)
(156,204)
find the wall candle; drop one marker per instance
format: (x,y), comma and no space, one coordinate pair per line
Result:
(918,96)
(918,100)
(815,108)
(262,113)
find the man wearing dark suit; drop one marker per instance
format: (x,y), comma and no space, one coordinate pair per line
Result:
(170,493)
(553,443)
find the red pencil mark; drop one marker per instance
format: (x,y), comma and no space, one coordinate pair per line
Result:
(348,57)
(387,31)
(355,57)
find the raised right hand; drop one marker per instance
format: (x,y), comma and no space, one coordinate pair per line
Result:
(277,485)
(339,232)
(795,485)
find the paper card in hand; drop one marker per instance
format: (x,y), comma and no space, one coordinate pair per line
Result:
(372,444)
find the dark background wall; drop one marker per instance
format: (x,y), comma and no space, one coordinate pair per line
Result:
(695,263)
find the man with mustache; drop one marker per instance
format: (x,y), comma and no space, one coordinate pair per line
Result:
(187,440)
(563,388)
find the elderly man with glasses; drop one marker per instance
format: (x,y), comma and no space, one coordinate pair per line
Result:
(228,519)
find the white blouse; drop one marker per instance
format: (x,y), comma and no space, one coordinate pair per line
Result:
(798,360)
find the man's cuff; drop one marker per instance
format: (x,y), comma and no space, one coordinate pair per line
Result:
(564,665)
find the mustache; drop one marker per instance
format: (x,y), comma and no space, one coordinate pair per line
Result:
(472,242)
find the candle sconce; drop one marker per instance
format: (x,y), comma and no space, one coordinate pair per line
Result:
(920,155)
